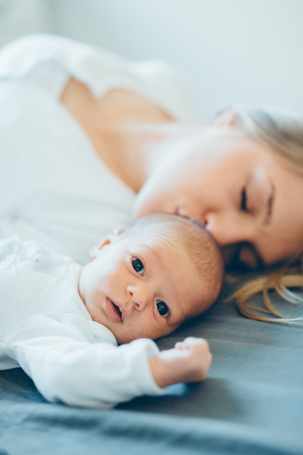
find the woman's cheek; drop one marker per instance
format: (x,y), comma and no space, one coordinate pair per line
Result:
(147,204)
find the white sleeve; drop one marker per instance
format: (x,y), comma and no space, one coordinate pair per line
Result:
(66,368)
(101,70)
(20,56)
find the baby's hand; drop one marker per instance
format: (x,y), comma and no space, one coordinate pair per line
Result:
(189,361)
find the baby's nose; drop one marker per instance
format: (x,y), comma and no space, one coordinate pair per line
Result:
(139,296)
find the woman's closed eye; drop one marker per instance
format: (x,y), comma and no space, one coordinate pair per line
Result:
(257,197)
(162,308)
(243,200)
(138,266)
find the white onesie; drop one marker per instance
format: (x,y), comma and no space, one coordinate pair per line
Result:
(46,329)
(54,188)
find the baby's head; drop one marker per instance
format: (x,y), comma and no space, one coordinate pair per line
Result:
(145,281)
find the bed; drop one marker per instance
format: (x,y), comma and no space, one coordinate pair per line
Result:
(251,402)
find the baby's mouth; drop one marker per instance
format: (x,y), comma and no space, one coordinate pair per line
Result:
(113,311)
(117,309)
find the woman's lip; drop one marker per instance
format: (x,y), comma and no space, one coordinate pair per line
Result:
(111,312)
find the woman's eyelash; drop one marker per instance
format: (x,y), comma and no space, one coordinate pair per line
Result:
(243,200)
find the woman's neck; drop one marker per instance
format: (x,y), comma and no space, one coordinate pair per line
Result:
(125,130)
(134,150)
(130,150)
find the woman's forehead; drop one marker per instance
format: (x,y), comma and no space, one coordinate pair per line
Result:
(230,147)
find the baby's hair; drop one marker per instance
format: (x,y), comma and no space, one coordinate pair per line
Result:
(198,243)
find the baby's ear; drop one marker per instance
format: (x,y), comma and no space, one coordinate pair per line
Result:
(94,251)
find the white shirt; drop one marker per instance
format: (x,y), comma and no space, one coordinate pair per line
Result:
(54,188)
(46,329)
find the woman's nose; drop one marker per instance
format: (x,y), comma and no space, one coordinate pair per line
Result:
(138,296)
(229,228)
(190,209)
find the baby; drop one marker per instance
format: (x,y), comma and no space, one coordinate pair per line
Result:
(62,323)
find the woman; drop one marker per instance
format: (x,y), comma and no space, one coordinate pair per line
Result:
(89,141)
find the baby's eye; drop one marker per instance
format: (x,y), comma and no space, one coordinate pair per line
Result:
(162,308)
(138,266)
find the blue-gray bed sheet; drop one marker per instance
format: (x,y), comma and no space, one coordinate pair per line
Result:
(251,402)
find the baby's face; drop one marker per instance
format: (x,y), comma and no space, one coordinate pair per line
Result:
(141,287)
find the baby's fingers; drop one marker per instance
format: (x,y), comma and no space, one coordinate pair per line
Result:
(199,356)
(191,342)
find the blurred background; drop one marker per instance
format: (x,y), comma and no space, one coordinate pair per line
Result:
(231,51)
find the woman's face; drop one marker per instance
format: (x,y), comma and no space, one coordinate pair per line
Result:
(241,191)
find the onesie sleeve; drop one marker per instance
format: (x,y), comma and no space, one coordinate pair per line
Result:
(66,368)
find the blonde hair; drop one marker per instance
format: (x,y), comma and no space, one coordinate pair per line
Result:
(282,131)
